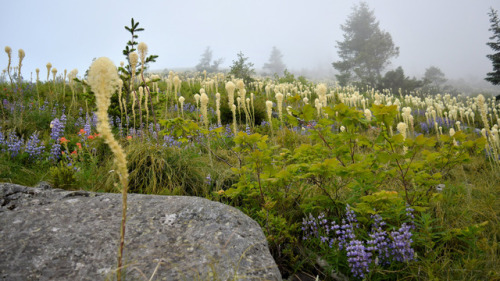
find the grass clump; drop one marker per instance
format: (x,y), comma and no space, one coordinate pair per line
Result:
(156,169)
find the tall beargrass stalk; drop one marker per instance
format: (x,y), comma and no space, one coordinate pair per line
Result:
(103,79)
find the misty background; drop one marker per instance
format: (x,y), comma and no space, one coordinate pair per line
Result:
(447,34)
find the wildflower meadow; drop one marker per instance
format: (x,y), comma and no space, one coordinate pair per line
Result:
(346,182)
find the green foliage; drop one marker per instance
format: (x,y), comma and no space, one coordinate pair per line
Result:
(181,129)
(396,81)
(265,195)
(242,68)
(63,176)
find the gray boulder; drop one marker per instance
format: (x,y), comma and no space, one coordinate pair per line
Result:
(53,234)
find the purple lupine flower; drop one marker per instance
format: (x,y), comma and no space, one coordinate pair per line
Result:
(44,105)
(94,120)
(359,259)
(12,108)
(229,132)
(409,213)
(33,146)
(2,140)
(87,127)
(132,132)
(55,151)
(151,127)
(14,144)
(63,119)
(2,137)
(57,129)
(120,126)
(401,244)
(379,242)
(169,141)
(380,249)
(247,130)
(54,110)
(139,133)
(79,122)
(351,217)
(345,234)
(111,121)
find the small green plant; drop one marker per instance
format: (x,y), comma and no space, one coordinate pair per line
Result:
(63,176)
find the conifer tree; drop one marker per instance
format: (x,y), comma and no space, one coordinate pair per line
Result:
(366,49)
(275,64)
(494,76)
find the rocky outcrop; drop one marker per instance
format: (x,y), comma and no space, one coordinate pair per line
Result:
(52,234)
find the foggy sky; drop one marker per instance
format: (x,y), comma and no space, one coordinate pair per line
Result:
(449,34)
